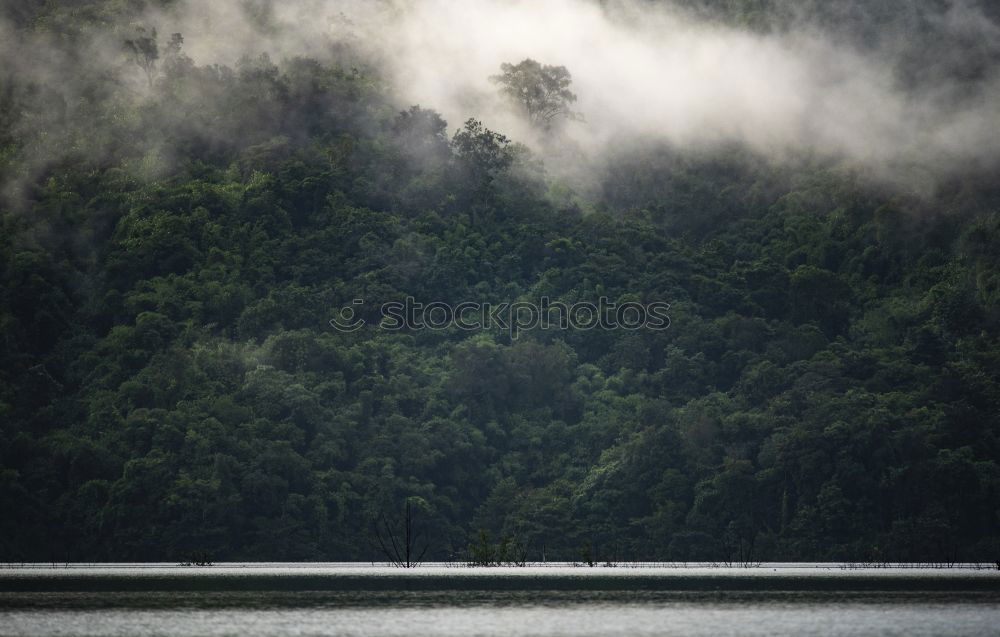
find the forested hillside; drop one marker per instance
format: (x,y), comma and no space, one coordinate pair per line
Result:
(175,238)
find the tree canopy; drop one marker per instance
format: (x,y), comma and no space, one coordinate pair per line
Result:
(171,386)
(540,92)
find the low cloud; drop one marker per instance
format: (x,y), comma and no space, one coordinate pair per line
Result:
(649,71)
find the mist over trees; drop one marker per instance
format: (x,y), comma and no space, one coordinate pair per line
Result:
(175,238)
(540,92)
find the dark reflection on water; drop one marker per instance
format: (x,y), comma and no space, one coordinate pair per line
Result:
(368,602)
(279,600)
(454,580)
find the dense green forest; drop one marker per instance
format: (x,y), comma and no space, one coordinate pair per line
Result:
(172,251)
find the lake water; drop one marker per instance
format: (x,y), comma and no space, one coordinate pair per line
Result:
(340,599)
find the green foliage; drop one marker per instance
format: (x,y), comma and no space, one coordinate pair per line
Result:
(507,551)
(540,92)
(829,387)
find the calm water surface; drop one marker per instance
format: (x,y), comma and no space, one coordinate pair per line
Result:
(249,600)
